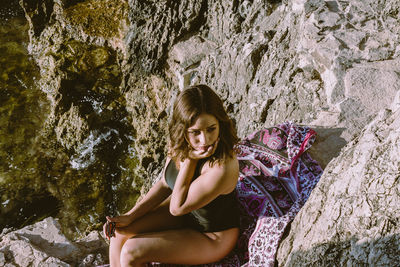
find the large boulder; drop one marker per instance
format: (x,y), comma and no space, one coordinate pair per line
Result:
(352,216)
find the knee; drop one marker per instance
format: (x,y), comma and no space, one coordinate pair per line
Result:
(131,254)
(122,231)
(119,238)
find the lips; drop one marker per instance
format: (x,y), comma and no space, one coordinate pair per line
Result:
(205,148)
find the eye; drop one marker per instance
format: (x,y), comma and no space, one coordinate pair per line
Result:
(211,129)
(195,132)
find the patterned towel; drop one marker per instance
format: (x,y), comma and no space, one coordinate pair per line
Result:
(276,178)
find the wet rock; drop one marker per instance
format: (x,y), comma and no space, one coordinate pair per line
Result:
(87,130)
(107,19)
(38,14)
(71,125)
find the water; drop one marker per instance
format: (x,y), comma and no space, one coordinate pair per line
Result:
(86,154)
(21,109)
(38,176)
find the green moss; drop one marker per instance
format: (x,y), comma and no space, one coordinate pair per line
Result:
(99,18)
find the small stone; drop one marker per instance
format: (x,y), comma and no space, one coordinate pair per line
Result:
(88,260)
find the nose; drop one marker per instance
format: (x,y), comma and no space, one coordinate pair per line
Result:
(204,138)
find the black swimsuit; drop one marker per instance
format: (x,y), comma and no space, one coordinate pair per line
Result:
(218,215)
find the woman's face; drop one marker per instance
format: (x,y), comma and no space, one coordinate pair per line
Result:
(203,134)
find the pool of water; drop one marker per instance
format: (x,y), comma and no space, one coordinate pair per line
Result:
(22,107)
(39,177)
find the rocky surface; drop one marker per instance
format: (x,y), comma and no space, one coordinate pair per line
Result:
(44,244)
(111,77)
(352,216)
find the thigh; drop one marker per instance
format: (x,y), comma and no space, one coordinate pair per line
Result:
(183,246)
(160,219)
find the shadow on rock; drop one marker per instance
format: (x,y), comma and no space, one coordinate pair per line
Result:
(328,144)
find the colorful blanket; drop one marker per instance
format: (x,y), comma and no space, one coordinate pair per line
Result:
(276,178)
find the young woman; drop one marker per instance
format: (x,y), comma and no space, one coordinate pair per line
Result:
(190,215)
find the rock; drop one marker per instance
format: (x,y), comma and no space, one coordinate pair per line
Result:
(185,56)
(71,128)
(151,125)
(375,85)
(155,27)
(43,244)
(306,53)
(327,145)
(351,217)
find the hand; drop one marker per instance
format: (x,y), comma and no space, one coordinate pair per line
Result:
(109,229)
(114,222)
(197,154)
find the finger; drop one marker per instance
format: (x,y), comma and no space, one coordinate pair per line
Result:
(199,155)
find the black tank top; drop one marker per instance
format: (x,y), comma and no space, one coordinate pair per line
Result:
(220,214)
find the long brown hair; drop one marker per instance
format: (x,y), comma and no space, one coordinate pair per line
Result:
(189,104)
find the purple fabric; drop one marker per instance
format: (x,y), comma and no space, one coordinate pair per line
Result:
(276,178)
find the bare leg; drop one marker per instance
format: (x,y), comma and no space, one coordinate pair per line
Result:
(183,246)
(158,220)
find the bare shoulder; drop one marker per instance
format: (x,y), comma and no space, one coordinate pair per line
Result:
(226,172)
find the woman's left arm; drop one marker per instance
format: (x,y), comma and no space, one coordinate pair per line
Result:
(216,180)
